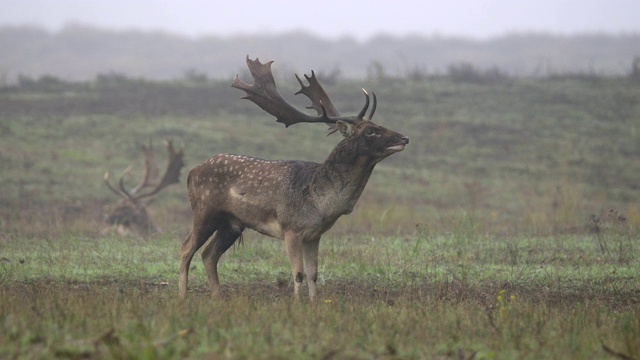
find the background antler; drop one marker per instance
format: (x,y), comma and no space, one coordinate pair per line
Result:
(151,174)
(172,173)
(151,169)
(264,93)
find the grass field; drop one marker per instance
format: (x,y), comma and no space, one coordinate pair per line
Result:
(508,228)
(431,296)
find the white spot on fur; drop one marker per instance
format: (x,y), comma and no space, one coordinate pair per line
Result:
(236,195)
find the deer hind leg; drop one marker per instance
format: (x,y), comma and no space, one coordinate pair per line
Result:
(213,251)
(310,252)
(196,238)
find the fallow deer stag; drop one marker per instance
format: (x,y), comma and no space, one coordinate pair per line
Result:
(131,211)
(292,200)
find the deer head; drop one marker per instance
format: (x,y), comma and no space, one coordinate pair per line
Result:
(367,137)
(292,200)
(131,211)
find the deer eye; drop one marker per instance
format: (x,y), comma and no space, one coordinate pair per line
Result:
(371,132)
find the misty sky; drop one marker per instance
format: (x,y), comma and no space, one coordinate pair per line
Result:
(333,18)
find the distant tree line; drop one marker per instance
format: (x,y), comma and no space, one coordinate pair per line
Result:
(80,53)
(459,72)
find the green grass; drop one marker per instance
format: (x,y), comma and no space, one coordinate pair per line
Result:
(405,297)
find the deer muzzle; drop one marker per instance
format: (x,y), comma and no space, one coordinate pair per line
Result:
(399,147)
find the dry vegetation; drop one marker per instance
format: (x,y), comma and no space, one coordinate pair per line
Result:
(491,236)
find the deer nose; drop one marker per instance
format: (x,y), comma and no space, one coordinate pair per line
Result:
(405,139)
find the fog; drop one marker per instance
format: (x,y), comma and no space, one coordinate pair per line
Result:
(479,19)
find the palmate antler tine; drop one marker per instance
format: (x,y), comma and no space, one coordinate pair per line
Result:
(373,107)
(108,184)
(151,170)
(172,173)
(263,92)
(317,95)
(361,115)
(366,105)
(123,190)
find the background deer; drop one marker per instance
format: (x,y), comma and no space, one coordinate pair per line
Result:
(131,211)
(292,200)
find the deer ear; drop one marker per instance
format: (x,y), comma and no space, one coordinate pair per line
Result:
(346,129)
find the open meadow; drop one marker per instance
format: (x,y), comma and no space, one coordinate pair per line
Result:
(508,227)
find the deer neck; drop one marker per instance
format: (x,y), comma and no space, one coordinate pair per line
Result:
(340,180)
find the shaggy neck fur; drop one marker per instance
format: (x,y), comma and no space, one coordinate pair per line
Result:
(339,181)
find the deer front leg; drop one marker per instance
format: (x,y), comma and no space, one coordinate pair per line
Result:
(310,251)
(294,250)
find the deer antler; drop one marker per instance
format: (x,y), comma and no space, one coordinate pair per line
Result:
(151,170)
(264,93)
(106,181)
(171,175)
(317,95)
